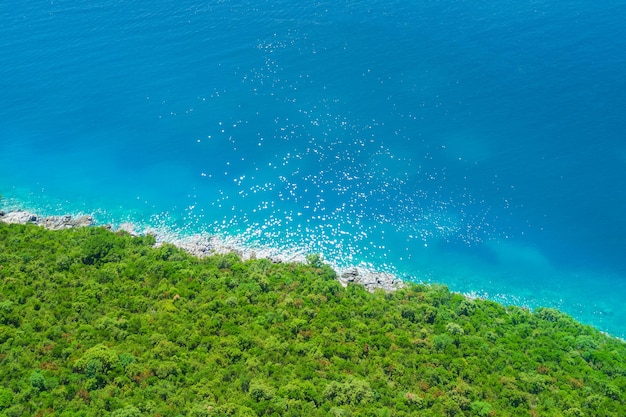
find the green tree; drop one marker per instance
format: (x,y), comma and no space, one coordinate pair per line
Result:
(37,380)
(315,260)
(6,398)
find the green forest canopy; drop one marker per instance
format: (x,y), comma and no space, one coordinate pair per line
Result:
(96,323)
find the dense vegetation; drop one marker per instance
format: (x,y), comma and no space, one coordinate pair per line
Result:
(94,323)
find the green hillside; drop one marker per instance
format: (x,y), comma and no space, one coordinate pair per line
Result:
(94,323)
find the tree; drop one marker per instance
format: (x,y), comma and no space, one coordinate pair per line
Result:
(6,398)
(97,359)
(37,381)
(350,392)
(315,260)
(128,411)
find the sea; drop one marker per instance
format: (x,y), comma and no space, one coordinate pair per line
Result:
(477,144)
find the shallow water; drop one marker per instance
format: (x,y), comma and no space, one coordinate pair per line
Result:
(478,145)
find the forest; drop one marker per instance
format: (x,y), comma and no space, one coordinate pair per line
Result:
(100,323)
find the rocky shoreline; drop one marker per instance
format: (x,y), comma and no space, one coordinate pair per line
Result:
(50,222)
(206,245)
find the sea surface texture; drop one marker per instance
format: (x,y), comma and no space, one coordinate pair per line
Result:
(477,144)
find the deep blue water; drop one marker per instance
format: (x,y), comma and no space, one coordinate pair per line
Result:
(478,144)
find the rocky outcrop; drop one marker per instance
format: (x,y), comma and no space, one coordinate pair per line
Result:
(19,217)
(371,280)
(206,245)
(65,222)
(50,222)
(202,246)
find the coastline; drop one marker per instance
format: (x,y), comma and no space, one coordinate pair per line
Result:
(202,245)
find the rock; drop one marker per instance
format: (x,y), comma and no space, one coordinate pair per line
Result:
(128,228)
(65,222)
(201,245)
(52,222)
(19,217)
(83,221)
(371,280)
(350,275)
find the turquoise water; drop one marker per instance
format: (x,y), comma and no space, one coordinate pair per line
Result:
(478,144)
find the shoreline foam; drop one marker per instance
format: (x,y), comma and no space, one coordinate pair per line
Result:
(202,245)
